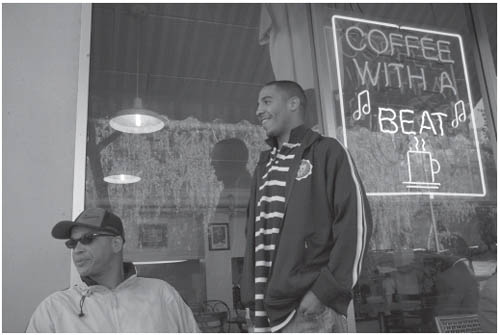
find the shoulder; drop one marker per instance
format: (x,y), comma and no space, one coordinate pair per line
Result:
(330,143)
(158,285)
(153,283)
(62,295)
(57,299)
(330,147)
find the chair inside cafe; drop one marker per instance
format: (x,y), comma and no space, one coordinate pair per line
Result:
(405,293)
(212,316)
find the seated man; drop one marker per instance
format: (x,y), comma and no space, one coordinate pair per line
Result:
(111,298)
(456,286)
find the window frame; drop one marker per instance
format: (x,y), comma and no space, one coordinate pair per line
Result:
(81,121)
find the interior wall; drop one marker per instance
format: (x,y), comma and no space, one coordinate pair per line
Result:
(218,262)
(40,76)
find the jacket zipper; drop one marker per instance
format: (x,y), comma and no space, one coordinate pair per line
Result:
(292,183)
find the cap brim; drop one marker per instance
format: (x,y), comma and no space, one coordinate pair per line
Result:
(62,230)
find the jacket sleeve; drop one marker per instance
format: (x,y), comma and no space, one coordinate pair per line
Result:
(351,230)
(41,320)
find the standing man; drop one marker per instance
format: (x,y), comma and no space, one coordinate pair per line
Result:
(308,223)
(111,298)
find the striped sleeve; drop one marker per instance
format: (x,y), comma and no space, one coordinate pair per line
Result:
(351,230)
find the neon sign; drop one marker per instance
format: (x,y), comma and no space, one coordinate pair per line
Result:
(409,87)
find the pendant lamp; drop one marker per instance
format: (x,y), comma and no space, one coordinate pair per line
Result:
(122,179)
(137,119)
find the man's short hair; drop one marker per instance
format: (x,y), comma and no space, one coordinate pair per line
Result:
(292,89)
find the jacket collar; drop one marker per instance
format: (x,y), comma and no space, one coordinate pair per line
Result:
(296,136)
(300,134)
(128,270)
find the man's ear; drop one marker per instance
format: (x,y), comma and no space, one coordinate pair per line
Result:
(117,244)
(294,103)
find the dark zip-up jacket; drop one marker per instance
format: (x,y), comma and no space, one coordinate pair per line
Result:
(324,233)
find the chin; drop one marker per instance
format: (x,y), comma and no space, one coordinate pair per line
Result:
(269,132)
(84,271)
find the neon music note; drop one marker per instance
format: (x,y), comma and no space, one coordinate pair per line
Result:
(460,115)
(364,108)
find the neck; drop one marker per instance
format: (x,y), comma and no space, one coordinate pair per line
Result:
(111,278)
(284,138)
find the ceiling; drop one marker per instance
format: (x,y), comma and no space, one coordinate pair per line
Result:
(205,60)
(203,55)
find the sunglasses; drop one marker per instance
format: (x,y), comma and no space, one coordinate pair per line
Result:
(85,239)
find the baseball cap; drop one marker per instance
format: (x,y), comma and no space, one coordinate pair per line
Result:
(95,218)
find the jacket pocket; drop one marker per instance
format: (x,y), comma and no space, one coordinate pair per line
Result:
(314,254)
(307,252)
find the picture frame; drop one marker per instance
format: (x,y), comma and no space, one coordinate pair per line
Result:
(153,236)
(218,236)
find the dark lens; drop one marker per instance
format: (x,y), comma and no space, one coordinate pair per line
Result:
(87,238)
(71,244)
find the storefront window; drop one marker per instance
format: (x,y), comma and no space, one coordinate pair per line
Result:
(399,84)
(489,12)
(200,68)
(402,82)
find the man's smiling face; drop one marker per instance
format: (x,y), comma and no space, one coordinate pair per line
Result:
(272,111)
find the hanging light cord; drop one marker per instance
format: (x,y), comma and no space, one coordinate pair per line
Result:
(137,57)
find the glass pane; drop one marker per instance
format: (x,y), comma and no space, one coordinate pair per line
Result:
(490,14)
(200,68)
(402,95)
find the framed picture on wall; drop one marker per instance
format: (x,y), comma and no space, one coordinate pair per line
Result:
(218,236)
(153,236)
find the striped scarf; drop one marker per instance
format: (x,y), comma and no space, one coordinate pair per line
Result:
(269,215)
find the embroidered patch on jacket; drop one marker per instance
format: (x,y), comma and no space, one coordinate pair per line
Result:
(305,169)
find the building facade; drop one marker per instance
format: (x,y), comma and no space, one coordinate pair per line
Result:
(410,89)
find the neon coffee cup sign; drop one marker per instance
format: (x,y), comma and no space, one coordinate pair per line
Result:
(406,108)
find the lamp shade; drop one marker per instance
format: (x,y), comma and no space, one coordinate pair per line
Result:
(122,179)
(136,120)
(160,262)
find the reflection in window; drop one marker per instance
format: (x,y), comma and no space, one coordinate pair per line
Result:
(200,68)
(419,244)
